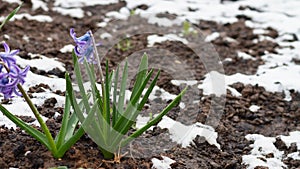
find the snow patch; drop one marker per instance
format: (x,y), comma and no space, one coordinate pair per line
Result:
(36,4)
(292,138)
(184,134)
(262,147)
(187,82)
(162,164)
(245,56)
(254,108)
(67,48)
(212,37)
(39,61)
(73,12)
(152,39)
(82,3)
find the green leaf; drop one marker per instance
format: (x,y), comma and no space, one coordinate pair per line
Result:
(121,101)
(155,120)
(74,103)
(80,82)
(72,124)
(141,74)
(92,78)
(114,103)
(71,141)
(94,123)
(10,16)
(126,120)
(30,130)
(148,92)
(106,103)
(63,129)
(123,121)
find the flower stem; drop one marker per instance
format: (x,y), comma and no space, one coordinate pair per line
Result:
(97,57)
(40,120)
(104,94)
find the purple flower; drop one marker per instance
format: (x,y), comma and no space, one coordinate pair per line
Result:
(7,56)
(12,75)
(10,80)
(84,46)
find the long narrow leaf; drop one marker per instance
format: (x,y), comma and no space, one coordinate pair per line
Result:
(114,103)
(155,120)
(141,74)
(148,92)
(106,104)
(127,119)
(80,82)
(62,132)
(92,124)
(74,103)
(132,107)
(121,100)
(30,130)
(72,124)
(67,145)
(10,16)
(92,79)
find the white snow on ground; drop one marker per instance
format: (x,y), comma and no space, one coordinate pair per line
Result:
(162,164)
(73,12)
(36,4)
(187,82)
(264,152)
(41,62)
(152,39)
(67,48)
(183,134)
(245,55)
(212,37)
(13,1)
(254,108)
(39,18)
(292,138)
(123,14)
(276,75)
(262,147)
(82,3)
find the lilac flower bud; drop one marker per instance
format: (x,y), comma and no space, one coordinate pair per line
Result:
(84,47)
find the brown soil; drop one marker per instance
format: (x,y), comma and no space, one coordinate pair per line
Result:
(19,150)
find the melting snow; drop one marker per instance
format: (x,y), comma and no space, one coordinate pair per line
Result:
(187,82)
(82,3)
(39,61)
(67,48)
(162,164)
(36,4)
(73,12)
(264,152)
(254,108)
(39,18)
(212,37)
(262,147)
(152,39)
(245,55)
(183,134)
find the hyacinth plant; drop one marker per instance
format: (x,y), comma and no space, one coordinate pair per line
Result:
(106,118)
(12,77)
